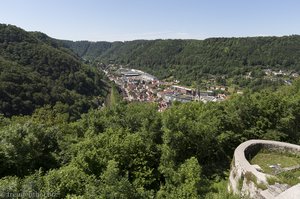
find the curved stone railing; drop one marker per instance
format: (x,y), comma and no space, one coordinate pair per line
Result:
(241,168)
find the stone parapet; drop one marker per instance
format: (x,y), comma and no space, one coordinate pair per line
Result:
(245,179)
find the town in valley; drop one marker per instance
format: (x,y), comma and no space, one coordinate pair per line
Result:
(139,86)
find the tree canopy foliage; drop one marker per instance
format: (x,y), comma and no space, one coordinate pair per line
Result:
(134,151)
(36,70)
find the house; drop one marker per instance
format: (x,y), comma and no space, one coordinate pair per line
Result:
(183,90)
(206,99)
(148,77)
(288,82)
(223,88)
(177,97)
(206,93)
(212,88)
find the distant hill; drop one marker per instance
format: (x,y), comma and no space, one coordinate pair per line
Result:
(36,70)
(189,58)
(86,49)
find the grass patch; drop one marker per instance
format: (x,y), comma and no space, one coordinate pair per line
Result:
(273,180)
(240,183)
(250,177)
(266,158)
(261,186)
(114,97)
(289,177)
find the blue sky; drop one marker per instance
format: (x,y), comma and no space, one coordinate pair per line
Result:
(111,20)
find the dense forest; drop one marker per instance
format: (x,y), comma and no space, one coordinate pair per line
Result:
(134,151)
(36,70)
(189,59)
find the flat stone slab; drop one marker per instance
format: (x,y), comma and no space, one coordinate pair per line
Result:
(291,193)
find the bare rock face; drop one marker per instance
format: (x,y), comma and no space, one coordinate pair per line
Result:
(249,180)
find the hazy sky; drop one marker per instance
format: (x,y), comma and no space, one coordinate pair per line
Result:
(111,20)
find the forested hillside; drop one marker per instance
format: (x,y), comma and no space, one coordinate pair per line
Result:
(36,70)
(86,49)
(188,59)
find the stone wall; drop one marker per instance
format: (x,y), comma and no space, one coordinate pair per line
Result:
(244,178)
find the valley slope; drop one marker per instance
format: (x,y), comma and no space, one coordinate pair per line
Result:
(187,60)
(36,70)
